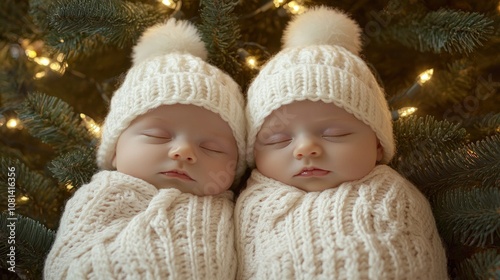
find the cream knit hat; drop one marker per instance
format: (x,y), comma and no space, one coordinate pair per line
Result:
(169,68)
(320,62)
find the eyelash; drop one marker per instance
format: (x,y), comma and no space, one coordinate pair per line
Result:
(337,135)
(278,142)
(211,150)
(158,137)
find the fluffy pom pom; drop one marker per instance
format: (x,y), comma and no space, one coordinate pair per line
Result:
(172,36)
(323,26)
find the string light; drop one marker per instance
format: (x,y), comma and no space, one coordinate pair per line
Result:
(422,78)
(91,125)
(295,8)
(250,60)
(69,187)
(40,75)
(403,112)
(44,61)
(169,3)
(279,3)
(14,123)
(425,76)
(33,51)
(24,198)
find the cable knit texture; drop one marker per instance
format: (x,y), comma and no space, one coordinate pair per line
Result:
(120,227)
(379,227)
(172,78)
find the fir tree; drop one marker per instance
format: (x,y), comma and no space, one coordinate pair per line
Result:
(61,59)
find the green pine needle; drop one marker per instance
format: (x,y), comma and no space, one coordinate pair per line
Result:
(54,122)
(419,138)
(482,265)
(75,168)
(452,85)
(32,244)
(84,26)
(475,164)
(45,198)
(469,216)
(489,124)
(444,31)
(220,31)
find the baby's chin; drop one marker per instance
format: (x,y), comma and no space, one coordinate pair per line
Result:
(315,188)
(195,190)
(316,185)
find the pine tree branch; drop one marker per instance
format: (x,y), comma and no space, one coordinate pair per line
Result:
(482,265)
(443,31)
(32,244)
(220,32)
(54,122)
(482,126)
(44,197)
(75,168)
(419,138)
(474,164)
(85,26)
(469,216)
(15,76)
(452,84)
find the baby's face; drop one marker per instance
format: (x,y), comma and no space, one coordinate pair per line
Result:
(315,146)
(179,146)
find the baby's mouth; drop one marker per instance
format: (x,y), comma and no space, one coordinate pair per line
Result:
(179,174)
(312,172)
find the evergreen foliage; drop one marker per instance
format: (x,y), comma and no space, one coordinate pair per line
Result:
(450,148)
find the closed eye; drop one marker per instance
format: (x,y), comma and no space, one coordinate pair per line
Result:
(276,139)
(166,137)
(276,142)
(213,150)
(336,137)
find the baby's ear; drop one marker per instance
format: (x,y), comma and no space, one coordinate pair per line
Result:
(380,151)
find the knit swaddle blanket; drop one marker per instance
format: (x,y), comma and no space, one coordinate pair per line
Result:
(121,227)
(379,227)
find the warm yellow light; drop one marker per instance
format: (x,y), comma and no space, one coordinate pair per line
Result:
(251,62)
(24,198)
(40,75)
(69,187)
(279,3)
(295,8)
(425,76)
(12,123)
(406,111)
(42,60)
(55,66)
(91,125)
(169,3)
(60,57)
(30,53)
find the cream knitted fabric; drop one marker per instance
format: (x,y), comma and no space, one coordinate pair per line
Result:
(169,69)
(120,227)
(322,68)
(379,227)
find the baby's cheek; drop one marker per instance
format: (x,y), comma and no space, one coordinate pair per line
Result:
(220,177)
